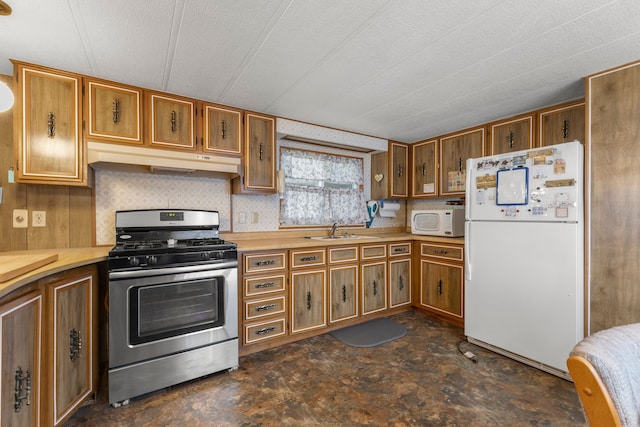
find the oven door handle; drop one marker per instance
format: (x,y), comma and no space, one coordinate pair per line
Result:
(147,272)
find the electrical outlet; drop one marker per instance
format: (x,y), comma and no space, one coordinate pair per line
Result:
(39,219)
(20,218)
(254,217)
(242,217)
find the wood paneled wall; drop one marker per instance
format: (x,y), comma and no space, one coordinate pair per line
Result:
(70,210)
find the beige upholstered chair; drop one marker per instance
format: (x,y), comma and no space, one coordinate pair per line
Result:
(605,368)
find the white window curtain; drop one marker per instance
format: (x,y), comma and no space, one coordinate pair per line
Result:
(321,189)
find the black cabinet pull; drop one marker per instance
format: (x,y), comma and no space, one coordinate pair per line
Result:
(344,293)
(439,287)
(308,301)
(265,330)
(75,345)
(265,285)
(565,128)
(22,392)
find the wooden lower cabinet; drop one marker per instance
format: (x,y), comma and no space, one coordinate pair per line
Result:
(399,282)
(264,304)
(343,293)
(71,302)
(21,321)
(308,310)
(49,354)
(374,287)
(440,287)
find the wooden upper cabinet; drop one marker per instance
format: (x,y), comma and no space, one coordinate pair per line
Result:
(454,150)
(513,134)
(221,129)
(390,172)
(171,121)
(259,155)
(398,170)
(47,129)
(113,112)
(424,169)
(561,123)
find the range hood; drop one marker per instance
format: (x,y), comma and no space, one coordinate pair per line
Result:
(101,155)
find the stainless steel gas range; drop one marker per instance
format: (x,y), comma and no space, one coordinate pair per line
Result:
(173,300)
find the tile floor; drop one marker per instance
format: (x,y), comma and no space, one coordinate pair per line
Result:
(418,380)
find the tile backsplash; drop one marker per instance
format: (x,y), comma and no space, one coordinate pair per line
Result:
(115,190)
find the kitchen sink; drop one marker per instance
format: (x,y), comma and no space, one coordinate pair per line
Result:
(344,237)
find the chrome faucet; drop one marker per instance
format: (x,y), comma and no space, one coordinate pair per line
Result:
(334,228)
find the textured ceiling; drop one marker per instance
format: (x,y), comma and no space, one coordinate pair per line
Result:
(404,70)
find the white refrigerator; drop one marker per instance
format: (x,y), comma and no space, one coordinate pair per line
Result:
(524,255)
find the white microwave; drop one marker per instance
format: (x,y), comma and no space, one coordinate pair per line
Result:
(448,222)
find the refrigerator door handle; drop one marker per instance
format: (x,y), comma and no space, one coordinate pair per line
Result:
(467,246)
(467,189)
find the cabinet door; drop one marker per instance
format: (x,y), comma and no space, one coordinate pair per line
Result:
(21,342)
(561,124)
(171,121)
(259,154)
(48,132)
(222,130)
(72,334)
(400,282)
(374,287)
(114,112)
(308,300)
(398,170)
(424,170)
(512,135)
(441,287)
(454,152)
(343,294)
(614,151)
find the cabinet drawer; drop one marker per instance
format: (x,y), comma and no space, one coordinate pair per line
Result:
(399,249)
(265,262)
(263,285)
(442,251)
(373,251)
(257,332)
(264,307)
(345,254)
(308,258)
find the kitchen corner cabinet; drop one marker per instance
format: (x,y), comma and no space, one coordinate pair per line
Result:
(424,168)
(70,333)
(390,173)
(374,278)
(399,274)
(21,322)
(49,350)
(454,151)
(308,289)
(343,283)
(221,130)
(47,126)
(561,123)
(441,281)
(171,121)
(113,112)
(259,158)
(512,134)
(613,182)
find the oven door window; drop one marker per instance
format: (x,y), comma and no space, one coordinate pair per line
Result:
(171,309)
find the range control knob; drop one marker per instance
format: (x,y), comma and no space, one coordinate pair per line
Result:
(220,254)
(134,261)
(152,260)
(205,256)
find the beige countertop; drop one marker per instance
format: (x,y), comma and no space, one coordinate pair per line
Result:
(256,244)
(67,259)
(77,257)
